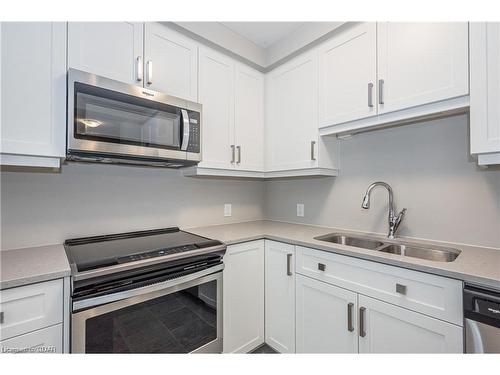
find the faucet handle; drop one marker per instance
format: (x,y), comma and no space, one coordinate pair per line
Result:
(400,216)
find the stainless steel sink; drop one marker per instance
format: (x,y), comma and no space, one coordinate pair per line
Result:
(343,239)
(433,253)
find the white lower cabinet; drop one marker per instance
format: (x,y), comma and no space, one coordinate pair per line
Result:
(243,297)
(280,296)
(385,328)
(326,318)
(47,340)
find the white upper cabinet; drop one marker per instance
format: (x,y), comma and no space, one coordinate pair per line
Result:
(249,118)
(33,93)
(348,75)
(385,328)
(216,94)
(280,296)
(420,63)
(109,49)
(485,92)
(173,60)
(292,114)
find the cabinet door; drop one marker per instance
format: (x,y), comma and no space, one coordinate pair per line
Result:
(249,118)
(326,318)
(485,87)
(216,94)
(348,75)
(243,297)
(280,296)
(108,49)
(421,63)
(292,114)
(33,89)
(385,328)
(47,340)
(174,60)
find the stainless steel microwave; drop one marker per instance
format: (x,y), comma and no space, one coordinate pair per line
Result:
(114,122)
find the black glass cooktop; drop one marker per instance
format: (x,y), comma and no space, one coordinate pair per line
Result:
(101,251)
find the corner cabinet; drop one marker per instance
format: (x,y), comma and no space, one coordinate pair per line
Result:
(291,134)
(243,297)
(485,92)
(33,93)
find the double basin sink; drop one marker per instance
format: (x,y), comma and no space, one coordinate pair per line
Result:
(433,253)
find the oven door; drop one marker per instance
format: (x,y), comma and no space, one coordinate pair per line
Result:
(177,316)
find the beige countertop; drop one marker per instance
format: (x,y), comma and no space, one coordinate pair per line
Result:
(32,265)
(475,265)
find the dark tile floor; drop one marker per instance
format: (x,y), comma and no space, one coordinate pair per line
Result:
(264,349)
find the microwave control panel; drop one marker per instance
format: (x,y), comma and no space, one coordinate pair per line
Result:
(194,132)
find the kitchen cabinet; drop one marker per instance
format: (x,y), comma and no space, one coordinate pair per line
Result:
(47,340)
(385,328)
(175,61)
(326,318)
(485,92)
(348,75)
(291,137)
(33,93)
(109,49)
(420,63)
(243,297)
(280,296)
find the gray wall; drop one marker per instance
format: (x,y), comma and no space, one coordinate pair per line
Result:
(448,197)
(89,199)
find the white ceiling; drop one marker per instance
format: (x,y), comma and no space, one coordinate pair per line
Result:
(263,34)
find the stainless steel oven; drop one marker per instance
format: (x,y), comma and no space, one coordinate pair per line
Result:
(114,122)
(154,291)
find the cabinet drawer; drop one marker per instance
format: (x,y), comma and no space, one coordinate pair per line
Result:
(47,340)
(432,295)
(31,307)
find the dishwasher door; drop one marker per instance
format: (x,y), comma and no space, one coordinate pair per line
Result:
(482,320)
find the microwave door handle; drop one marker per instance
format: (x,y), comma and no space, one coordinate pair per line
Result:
(185,133)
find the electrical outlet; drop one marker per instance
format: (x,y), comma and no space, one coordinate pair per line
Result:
(227,209)
(300,209)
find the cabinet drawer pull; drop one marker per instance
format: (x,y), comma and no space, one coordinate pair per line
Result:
(289,264)
(149,72)
(139,68)
(321,266)
(233,154)
(362,332)
(313,157)
(380,91)
(350,327)
(370,95)
(239,154)
(1,317)
(401,289)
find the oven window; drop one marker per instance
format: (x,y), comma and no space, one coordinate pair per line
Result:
(108,116)
(175,323)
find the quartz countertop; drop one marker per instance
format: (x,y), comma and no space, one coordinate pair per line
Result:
(475,265)
(32,265)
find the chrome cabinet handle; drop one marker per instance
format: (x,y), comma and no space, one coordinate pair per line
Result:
(370,95)
(289,264)
(1,317)
(239,154)
(149,72)
(233,157)
(350,327)
(139,69)
(321,267)
(401,289)
(380,91)
(362,332)
(313,143)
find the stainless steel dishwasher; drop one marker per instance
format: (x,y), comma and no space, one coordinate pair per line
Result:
(482,320)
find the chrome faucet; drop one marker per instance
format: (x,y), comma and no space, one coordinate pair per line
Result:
(394,220)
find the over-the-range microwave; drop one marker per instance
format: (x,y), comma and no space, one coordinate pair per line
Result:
(114,122)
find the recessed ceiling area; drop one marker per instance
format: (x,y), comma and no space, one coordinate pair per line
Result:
(263,34)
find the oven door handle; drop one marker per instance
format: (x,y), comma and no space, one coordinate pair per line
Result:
(100,300)
(185,132)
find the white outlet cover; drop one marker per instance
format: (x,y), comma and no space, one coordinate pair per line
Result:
(300,209)
(227,209)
